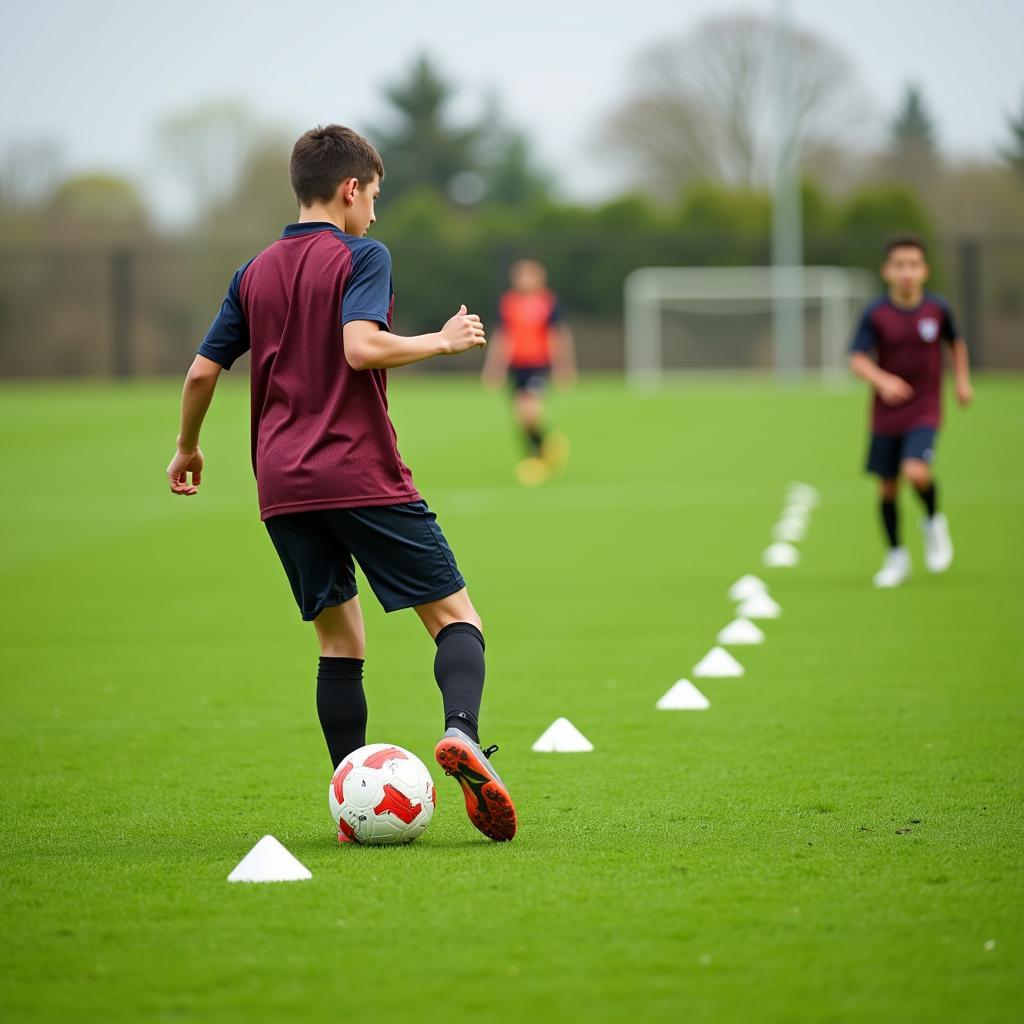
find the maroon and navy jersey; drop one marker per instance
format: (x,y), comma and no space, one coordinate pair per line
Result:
(321,433)
(908,343)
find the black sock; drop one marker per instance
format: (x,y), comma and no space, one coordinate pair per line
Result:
(534,440)
(341,705)
(459,671)
(929,498)
(891,522)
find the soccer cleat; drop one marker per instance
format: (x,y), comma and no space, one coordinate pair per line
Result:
(532,471)
(555,450)
(488,803)
(895,569)
(938,547)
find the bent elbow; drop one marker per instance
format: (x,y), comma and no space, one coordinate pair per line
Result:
(357,357)
(200,378)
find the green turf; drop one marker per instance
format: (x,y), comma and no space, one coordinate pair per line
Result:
(837,839)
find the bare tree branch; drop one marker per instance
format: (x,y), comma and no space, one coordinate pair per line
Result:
(703,106)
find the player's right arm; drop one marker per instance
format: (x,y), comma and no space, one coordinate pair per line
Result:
(367,339)
(891,389)
(369,347)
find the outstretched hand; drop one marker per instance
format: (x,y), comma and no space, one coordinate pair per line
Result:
(463,332)
(183,464)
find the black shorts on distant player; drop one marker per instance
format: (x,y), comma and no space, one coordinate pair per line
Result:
(888,452)
(531,379)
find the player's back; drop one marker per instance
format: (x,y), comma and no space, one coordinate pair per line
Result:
(321,434)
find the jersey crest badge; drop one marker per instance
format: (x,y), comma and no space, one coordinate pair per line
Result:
(928,328)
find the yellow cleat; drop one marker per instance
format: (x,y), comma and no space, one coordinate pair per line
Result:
(555,450)
(532,471)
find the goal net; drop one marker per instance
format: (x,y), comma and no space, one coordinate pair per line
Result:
(724,318)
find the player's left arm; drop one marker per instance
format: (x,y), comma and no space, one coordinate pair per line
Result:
(961,372)
(563,348)
(185,471)
(961,359)
(495,359)
(225,341)
(563,354)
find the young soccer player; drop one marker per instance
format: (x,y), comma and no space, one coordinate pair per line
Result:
(531,343)
(898,350)
(314,309)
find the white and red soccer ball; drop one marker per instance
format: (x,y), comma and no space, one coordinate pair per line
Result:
(381,793)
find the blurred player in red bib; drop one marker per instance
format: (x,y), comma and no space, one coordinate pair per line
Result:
(531,344)
(898,350)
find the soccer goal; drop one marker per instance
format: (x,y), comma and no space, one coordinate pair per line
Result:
(721,318)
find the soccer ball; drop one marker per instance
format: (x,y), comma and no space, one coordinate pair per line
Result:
(381,793)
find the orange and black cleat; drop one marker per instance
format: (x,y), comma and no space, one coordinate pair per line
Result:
(488,802)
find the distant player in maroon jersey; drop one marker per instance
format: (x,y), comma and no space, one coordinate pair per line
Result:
(314,309)
(898,350)
(531,343)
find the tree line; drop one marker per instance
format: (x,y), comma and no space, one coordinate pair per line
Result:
(695,136)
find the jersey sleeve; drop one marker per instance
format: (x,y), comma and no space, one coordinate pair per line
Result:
(948,330)
(864,338)
(228,336)
(369,290)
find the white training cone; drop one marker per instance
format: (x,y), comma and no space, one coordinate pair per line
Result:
(718,663)
(800,513)
(746,586)
(562,737)
(683,696)
(780,555)
(760,606)
(269,861)
(741,631)
(789,530)
(805,494)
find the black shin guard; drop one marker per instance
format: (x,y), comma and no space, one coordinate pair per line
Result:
(341,705)
(459,671)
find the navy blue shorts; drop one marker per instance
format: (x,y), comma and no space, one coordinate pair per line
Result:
(533,379)
(400,549)
(886,453)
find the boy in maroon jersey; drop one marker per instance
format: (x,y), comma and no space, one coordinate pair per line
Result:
(898,350)
(314,309)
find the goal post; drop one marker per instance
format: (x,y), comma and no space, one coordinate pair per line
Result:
(701,299)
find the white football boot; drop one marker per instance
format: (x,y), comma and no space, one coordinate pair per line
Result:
(895,569)
(938,547)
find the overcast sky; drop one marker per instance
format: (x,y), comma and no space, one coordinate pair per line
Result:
(96,76)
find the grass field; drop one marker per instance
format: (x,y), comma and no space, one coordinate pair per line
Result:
(839,838)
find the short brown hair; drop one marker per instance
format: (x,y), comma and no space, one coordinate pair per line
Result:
(327,155)
(905,240)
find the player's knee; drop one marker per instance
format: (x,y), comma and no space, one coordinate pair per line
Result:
(455,608)
(343,647)
(888,488)
(917,472)
(340,632)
